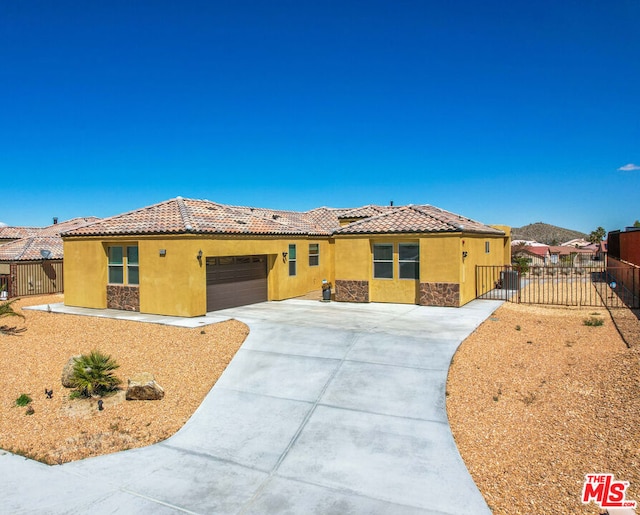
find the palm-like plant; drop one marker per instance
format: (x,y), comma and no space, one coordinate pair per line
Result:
(93,374)
(6,310)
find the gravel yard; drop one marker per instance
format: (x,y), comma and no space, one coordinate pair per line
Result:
(536,400)
(185,362)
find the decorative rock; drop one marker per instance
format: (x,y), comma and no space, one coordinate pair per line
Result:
(143,387)
(67,371)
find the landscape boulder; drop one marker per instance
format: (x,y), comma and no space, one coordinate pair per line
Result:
(67,372)
(143,387)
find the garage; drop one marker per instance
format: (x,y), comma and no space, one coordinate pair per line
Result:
(236,281)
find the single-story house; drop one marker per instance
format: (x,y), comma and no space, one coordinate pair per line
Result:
(33,263)
(186,257)
(535,255)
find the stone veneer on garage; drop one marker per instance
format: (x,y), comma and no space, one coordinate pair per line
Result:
(440,294)
(126,298)
(352,291)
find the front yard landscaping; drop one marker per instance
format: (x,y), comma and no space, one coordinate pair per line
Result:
(57,429)
(537,397)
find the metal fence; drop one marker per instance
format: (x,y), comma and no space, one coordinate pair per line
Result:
(598,286)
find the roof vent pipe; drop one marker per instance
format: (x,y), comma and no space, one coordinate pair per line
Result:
(55,220)
(391,203)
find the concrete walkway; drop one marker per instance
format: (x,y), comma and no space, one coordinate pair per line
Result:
(328,408)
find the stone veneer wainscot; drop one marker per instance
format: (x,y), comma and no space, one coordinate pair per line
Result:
(352,291)
(440,294)
(126,298)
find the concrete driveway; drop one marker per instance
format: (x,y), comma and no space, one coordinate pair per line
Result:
(328,408)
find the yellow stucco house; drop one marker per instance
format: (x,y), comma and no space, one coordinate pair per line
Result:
(186,257)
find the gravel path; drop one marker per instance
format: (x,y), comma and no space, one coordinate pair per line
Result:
(536,400)
(185,362)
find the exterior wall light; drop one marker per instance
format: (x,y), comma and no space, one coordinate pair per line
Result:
(464,254)
(163,252)
(199,256)
(284,256)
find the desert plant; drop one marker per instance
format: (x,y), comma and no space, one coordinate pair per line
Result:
(93,374)
(6,310)
(521,264)
(594,321)
(23,400)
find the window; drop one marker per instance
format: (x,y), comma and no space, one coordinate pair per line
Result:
(314,254)
(486,247)
(132,265)
(292,260)
(116,265)
(383,261)
(123,265)
(409,260)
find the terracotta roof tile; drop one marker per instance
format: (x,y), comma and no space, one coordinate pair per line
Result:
(179,216)
(29,249)
(46,238)
(15,233)
(416,219)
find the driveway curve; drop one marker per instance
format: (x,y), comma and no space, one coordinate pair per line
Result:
(327,408)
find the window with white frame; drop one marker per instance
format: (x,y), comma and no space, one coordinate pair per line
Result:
(292,260)
(314,254)
(123,265)
(383,260)
(409,260)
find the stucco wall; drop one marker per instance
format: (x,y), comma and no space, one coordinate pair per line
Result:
(175,284)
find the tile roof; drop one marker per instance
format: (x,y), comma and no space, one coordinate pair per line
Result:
(15,233)
(364,212)
(416,219)
(32,247)
(181,216)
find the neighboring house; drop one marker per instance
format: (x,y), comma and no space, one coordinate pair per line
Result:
(536,256)
(559,255)
(186,257)
(570,256)
(601,251)
(576,243)
(8,233)
(32,265)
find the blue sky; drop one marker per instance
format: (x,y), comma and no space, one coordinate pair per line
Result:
(506,112)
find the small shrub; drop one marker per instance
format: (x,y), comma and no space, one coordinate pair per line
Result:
(528,398)
(6,310)
(23,400)
(593,322)
(518,328)
(30,411)
(93,374)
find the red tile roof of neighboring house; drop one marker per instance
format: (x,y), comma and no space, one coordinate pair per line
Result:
(32,248)
(567,251)
(537,250)
(15,233)
(180,216)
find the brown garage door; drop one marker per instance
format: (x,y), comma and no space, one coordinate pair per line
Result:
(236,281)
